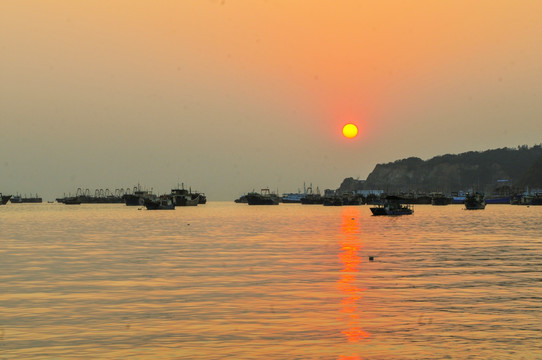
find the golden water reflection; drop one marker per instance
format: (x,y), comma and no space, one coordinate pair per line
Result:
(351,244)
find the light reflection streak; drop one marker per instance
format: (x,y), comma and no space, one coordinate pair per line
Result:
(351,244)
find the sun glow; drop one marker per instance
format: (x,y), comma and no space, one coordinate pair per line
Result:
(350,131)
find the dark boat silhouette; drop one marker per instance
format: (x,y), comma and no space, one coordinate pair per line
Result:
(392,206)
(475,201)
(263,198)
(4,199)
(163,202)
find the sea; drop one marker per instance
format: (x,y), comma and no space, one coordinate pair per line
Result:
(233,281)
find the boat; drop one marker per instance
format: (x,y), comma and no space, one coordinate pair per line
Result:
(498,200)
(333,201)
(292,198)
(311,198)
(241,200)
(458,197)
(163,202)
(72,200)
(182,197)
(4,199)
(265,197)
(18,199)
(202,198)
(475,201)
(137,197)
(439,198)
(392,206)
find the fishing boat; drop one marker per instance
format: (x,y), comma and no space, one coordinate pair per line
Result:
(265,197)
(292,198)
(137,197)
(312,198)
(182,197)
(475,201)
(18,199)
(163,202)
(72,200)
(392,206)
(333,201)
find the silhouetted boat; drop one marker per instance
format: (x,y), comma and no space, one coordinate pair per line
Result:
(392,206)
(182,197)
(333,201)
(475,201)
(72,200)
(163,202)
(263,198)
(311,198)
(4,199)
(18,199)
(137,197)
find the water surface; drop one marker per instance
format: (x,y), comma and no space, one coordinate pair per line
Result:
(232,281)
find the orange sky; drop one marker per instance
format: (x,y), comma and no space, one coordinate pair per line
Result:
(255,93)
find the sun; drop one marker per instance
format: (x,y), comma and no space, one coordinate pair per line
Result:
(350,131)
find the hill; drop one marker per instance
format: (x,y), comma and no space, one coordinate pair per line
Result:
(484,171)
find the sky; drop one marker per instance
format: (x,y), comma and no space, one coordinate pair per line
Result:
(230,96)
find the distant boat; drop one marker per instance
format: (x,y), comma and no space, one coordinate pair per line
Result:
(333,201)
(137,197)
(4,199)
(392,206)
(498,200)
(163,202)
(72,200)
(18,199)
(292,198)
(265,197)
(182,197)
(475,201)
(311,198)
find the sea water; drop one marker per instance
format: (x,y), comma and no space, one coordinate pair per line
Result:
(233,281)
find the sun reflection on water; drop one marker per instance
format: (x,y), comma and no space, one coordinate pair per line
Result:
(351,245)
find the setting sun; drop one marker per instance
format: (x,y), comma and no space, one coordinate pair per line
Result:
(350,131)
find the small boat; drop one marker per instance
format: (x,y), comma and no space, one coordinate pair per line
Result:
(475,201)
(392,206)
(163,202)
(265,197)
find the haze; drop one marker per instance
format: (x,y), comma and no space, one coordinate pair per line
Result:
(230,96)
